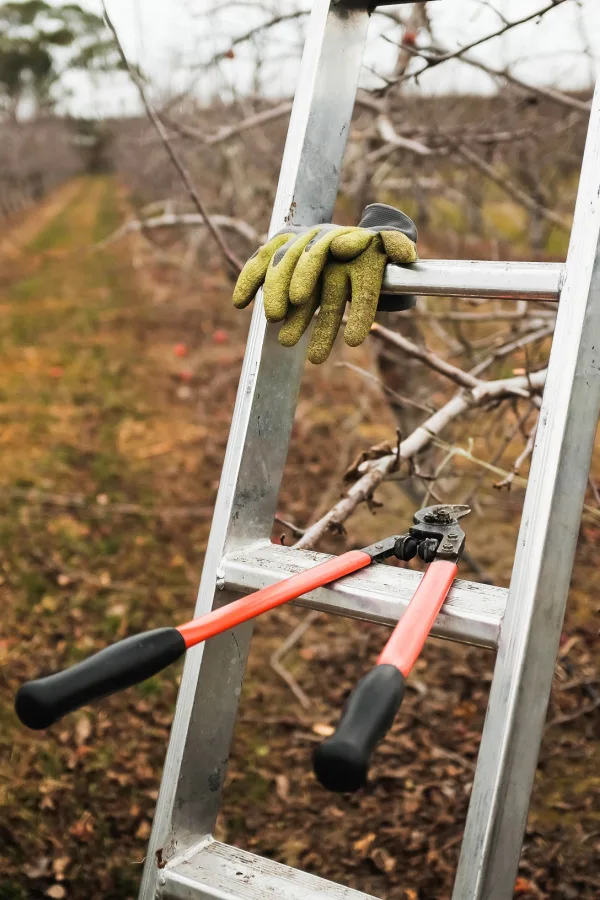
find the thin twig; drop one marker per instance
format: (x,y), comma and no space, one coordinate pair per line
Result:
(505,349)
(458,376)
(594,490)
(284,648)
(256,29)
(526,452)
(582,106)
(376,471)
(185,176)
(400,399)
(590,511)
(571,717)
(184,220)
(228,131)
(514,191)
(455,54)
(75,501)
(296,531)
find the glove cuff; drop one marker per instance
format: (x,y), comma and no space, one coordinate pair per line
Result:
(381,217)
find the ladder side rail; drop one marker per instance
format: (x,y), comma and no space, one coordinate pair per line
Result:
(257,448)
(543,563)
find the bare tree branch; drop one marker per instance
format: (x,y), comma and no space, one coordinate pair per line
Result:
(440,54)
(191,188)
(185,220)
(455,54)
(527,451)
(458,376)
(376,471)
(513,190)
(242,38)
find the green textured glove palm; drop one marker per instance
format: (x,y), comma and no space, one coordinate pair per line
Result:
(303,268)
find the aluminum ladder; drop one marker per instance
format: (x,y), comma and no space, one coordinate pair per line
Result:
(523,623)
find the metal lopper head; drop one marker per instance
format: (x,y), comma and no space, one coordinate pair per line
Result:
(437,530)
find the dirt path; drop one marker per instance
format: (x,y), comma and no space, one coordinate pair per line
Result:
(117,378)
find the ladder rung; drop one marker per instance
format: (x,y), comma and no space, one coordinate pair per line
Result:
(472,278)
(472,613)
(222,872)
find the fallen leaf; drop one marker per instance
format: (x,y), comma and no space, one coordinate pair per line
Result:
(59,865)
(57,892)
(37,869)
(568,645)
(383,860)
(523,886)
(143,830)
(83,729)
(322,729)
(363,844)
(333,811)
(117,609)
(83,829)
(47,604)
(282,787)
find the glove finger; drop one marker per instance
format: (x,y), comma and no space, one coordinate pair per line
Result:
(311,264)
(298,319)
(253,274)
(366,277)
(335,293)
(279,274)
(348,246)
(399,248)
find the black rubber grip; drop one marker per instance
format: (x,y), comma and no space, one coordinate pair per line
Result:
(42,702)
(341,762)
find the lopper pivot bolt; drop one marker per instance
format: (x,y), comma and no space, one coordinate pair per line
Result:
(341,763)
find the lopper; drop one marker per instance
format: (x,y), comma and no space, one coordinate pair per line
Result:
(434,536)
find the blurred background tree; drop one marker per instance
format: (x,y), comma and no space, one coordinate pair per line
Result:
(39,43)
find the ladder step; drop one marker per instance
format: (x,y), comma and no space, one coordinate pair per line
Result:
(225,873)
(472,614)
(473,278)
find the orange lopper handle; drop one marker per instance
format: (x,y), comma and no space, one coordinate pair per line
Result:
(268,598)
(409,635)
(341,763)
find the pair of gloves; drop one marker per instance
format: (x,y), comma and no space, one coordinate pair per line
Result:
(303,268)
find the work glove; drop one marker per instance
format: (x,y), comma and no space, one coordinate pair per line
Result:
(303,268)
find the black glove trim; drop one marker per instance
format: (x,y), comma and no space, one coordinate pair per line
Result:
(381,217)
(396,302)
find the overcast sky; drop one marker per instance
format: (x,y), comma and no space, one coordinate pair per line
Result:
(170,38)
